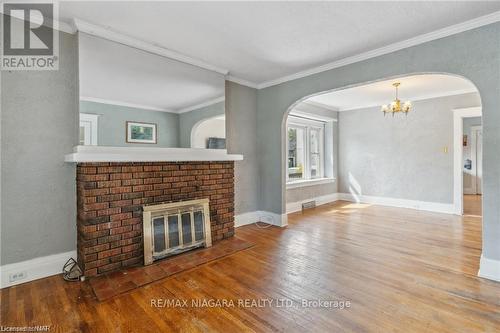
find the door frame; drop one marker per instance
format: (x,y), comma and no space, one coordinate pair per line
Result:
(458,132)
(473,153)
(92,121)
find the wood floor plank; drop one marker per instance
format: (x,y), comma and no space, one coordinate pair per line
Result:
(401,270)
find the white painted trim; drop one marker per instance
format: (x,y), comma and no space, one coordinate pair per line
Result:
(147,154)
(246,218)
(473,155)
(202,105)
(401,203)
(243,82)
(152,108)
(382,201)
(119,37)
(309,182)
(261,216)
(304,114)
(445,32)
(458,132)
(36,268)
(292,207)
(279,220)
(489,269)
(126,104)
(306,125)
(321,105)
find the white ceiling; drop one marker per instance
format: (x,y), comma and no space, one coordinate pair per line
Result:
(119,74)
(263,41)
(413,88)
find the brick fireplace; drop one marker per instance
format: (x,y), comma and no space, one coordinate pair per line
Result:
(111,196)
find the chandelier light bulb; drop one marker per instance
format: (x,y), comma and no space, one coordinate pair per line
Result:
(396,106)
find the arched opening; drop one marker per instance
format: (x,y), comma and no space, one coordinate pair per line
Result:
(209,133)
(416,160)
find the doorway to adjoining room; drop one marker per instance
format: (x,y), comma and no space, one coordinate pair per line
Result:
(472,162)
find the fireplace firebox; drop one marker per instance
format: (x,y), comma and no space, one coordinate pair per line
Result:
(176,227)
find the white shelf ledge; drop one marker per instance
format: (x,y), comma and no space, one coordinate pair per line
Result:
(147,154)
(309,182)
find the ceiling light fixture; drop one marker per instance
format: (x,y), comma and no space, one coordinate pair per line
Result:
(396,106)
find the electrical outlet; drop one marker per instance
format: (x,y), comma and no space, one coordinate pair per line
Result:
(13,277)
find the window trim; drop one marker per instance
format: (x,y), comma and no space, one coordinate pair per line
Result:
(321,151)
(304,171)
(306,124)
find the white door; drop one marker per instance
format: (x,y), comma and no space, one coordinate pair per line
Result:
(88,129)
(479,161)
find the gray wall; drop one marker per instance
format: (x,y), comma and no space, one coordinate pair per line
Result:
(457,54)
(188,119)
(241,130)
(39,126)
(312,191)
(113,118)
(403,156)
(467,124)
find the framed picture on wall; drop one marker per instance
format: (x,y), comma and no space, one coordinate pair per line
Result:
(138,132)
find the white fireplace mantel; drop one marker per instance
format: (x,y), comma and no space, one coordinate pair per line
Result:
(83,154)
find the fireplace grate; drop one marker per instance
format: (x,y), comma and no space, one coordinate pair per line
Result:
(173,228)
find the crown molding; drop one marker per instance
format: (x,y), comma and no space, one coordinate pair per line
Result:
(306,115)
(321,105)
(201,105)
(126,104)
(242,81)
(115,36)
(444,32)
(152,108)
(419,98)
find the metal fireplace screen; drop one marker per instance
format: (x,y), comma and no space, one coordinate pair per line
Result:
(174,228)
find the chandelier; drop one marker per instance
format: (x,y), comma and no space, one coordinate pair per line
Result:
(396,106)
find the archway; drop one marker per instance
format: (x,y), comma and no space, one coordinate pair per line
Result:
(209,128)
(452,202)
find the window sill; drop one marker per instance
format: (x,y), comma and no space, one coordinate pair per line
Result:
(309,182)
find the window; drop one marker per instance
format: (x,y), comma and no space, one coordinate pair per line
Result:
(305,147)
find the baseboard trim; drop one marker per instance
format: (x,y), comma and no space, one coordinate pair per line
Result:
(35,269)
(245,219)
(382,201)
(401,203)
(489,269)
(279,220)
(293,207)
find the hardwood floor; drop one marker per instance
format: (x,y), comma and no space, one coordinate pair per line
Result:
(401,270)
(473,205)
